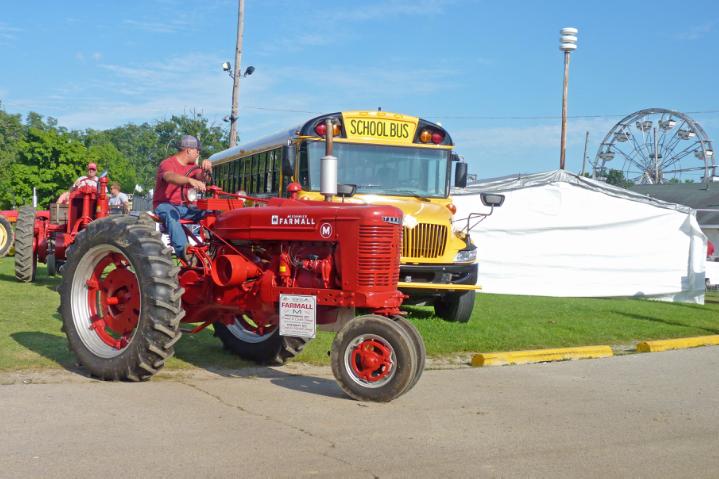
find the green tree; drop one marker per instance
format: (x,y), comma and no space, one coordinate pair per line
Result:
(107,157)
(617,178)
(11,132)
(48,160)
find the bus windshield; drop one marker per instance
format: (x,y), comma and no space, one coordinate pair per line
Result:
(384,170)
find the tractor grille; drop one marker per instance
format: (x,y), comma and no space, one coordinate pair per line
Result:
(378,261)
(424,241)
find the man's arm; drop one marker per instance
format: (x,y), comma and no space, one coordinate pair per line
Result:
(180,180)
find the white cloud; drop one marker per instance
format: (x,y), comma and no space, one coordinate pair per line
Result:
(696,32)
(170,26)
(388,9)
(8,33)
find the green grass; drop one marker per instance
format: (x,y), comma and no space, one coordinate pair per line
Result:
(30,334)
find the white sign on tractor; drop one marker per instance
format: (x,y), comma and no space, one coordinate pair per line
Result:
(298,315)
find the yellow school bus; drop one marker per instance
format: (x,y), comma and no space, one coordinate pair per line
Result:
(392,159)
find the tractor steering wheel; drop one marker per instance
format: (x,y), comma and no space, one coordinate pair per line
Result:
(198,173)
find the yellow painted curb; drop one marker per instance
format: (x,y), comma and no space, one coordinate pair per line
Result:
(541,355)
(681,343)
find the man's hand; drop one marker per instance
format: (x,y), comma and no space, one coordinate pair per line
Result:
(207,165)
(197,184)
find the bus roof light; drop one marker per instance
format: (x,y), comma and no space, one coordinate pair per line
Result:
(425,136)
(437,138)
(321,129)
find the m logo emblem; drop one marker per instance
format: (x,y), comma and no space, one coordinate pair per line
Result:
(325,230)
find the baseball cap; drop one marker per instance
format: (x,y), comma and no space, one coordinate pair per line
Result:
(189,141)
(91,166)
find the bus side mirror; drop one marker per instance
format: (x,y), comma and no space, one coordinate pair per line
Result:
(460,174)
(288,165)
(346,190)
(492,199)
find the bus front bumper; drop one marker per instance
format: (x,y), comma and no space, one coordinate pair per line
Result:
(426,281)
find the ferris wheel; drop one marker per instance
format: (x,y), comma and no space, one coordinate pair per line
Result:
(657,146)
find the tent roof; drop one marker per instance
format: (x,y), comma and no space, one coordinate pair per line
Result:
(533,180)
(696,195)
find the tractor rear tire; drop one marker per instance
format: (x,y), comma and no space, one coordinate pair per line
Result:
(373,359)
(455,307)
(271,349)
(6,236)
(25,254)
(122,258)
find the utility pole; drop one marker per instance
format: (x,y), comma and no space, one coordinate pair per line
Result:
(584,158)
(237,73)
(567,43)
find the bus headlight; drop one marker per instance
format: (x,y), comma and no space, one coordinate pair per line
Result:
(466,256)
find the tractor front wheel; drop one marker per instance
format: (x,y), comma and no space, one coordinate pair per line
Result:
(120,299)
(455,307)
(6,236)
(374,359)
(419,348)
(25,254)
(242,339)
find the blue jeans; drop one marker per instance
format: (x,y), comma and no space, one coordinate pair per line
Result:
(171,216)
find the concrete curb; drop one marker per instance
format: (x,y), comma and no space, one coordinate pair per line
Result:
(540,355)
(680,343)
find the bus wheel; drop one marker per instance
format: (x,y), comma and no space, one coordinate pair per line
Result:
(455,307)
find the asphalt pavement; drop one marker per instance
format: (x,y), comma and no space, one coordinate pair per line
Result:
(642,415)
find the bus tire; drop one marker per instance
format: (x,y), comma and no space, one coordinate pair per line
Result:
(455,307)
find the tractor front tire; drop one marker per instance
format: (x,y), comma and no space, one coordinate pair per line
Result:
(455,307)
(6,236)
(373,359)
(25,255)
(271,348)
(120,299)
(419,348)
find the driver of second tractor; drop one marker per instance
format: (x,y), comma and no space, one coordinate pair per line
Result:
(168,202)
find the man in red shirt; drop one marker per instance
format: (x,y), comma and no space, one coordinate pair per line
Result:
(170,180)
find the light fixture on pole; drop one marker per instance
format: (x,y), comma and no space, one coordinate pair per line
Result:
(567,44)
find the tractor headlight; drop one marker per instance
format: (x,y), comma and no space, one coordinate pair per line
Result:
(466,256)
(192,195)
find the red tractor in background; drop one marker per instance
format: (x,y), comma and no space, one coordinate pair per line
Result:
(45,235)
(263,277)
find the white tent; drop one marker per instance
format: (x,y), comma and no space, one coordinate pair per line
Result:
(559,234)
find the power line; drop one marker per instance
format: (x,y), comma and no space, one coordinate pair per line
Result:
(492,118)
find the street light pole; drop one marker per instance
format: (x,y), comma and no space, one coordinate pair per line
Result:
(567,43)
(237,73)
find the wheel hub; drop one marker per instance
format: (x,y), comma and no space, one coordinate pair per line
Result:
(114,300)
(371,360)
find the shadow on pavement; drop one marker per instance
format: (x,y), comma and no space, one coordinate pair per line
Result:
(279,376)
(55,349)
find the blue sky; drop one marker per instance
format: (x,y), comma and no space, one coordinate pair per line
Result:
(102,64)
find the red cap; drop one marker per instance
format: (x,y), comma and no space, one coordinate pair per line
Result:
(91,166)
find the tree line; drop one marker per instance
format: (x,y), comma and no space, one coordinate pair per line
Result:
(36,152)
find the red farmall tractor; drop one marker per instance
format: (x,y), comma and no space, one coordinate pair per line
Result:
(264,277)
(45,235)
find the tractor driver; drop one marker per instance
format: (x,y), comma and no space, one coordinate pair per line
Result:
(167,199)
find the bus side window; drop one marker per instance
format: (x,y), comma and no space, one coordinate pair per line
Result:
(275,177)
(304,167)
